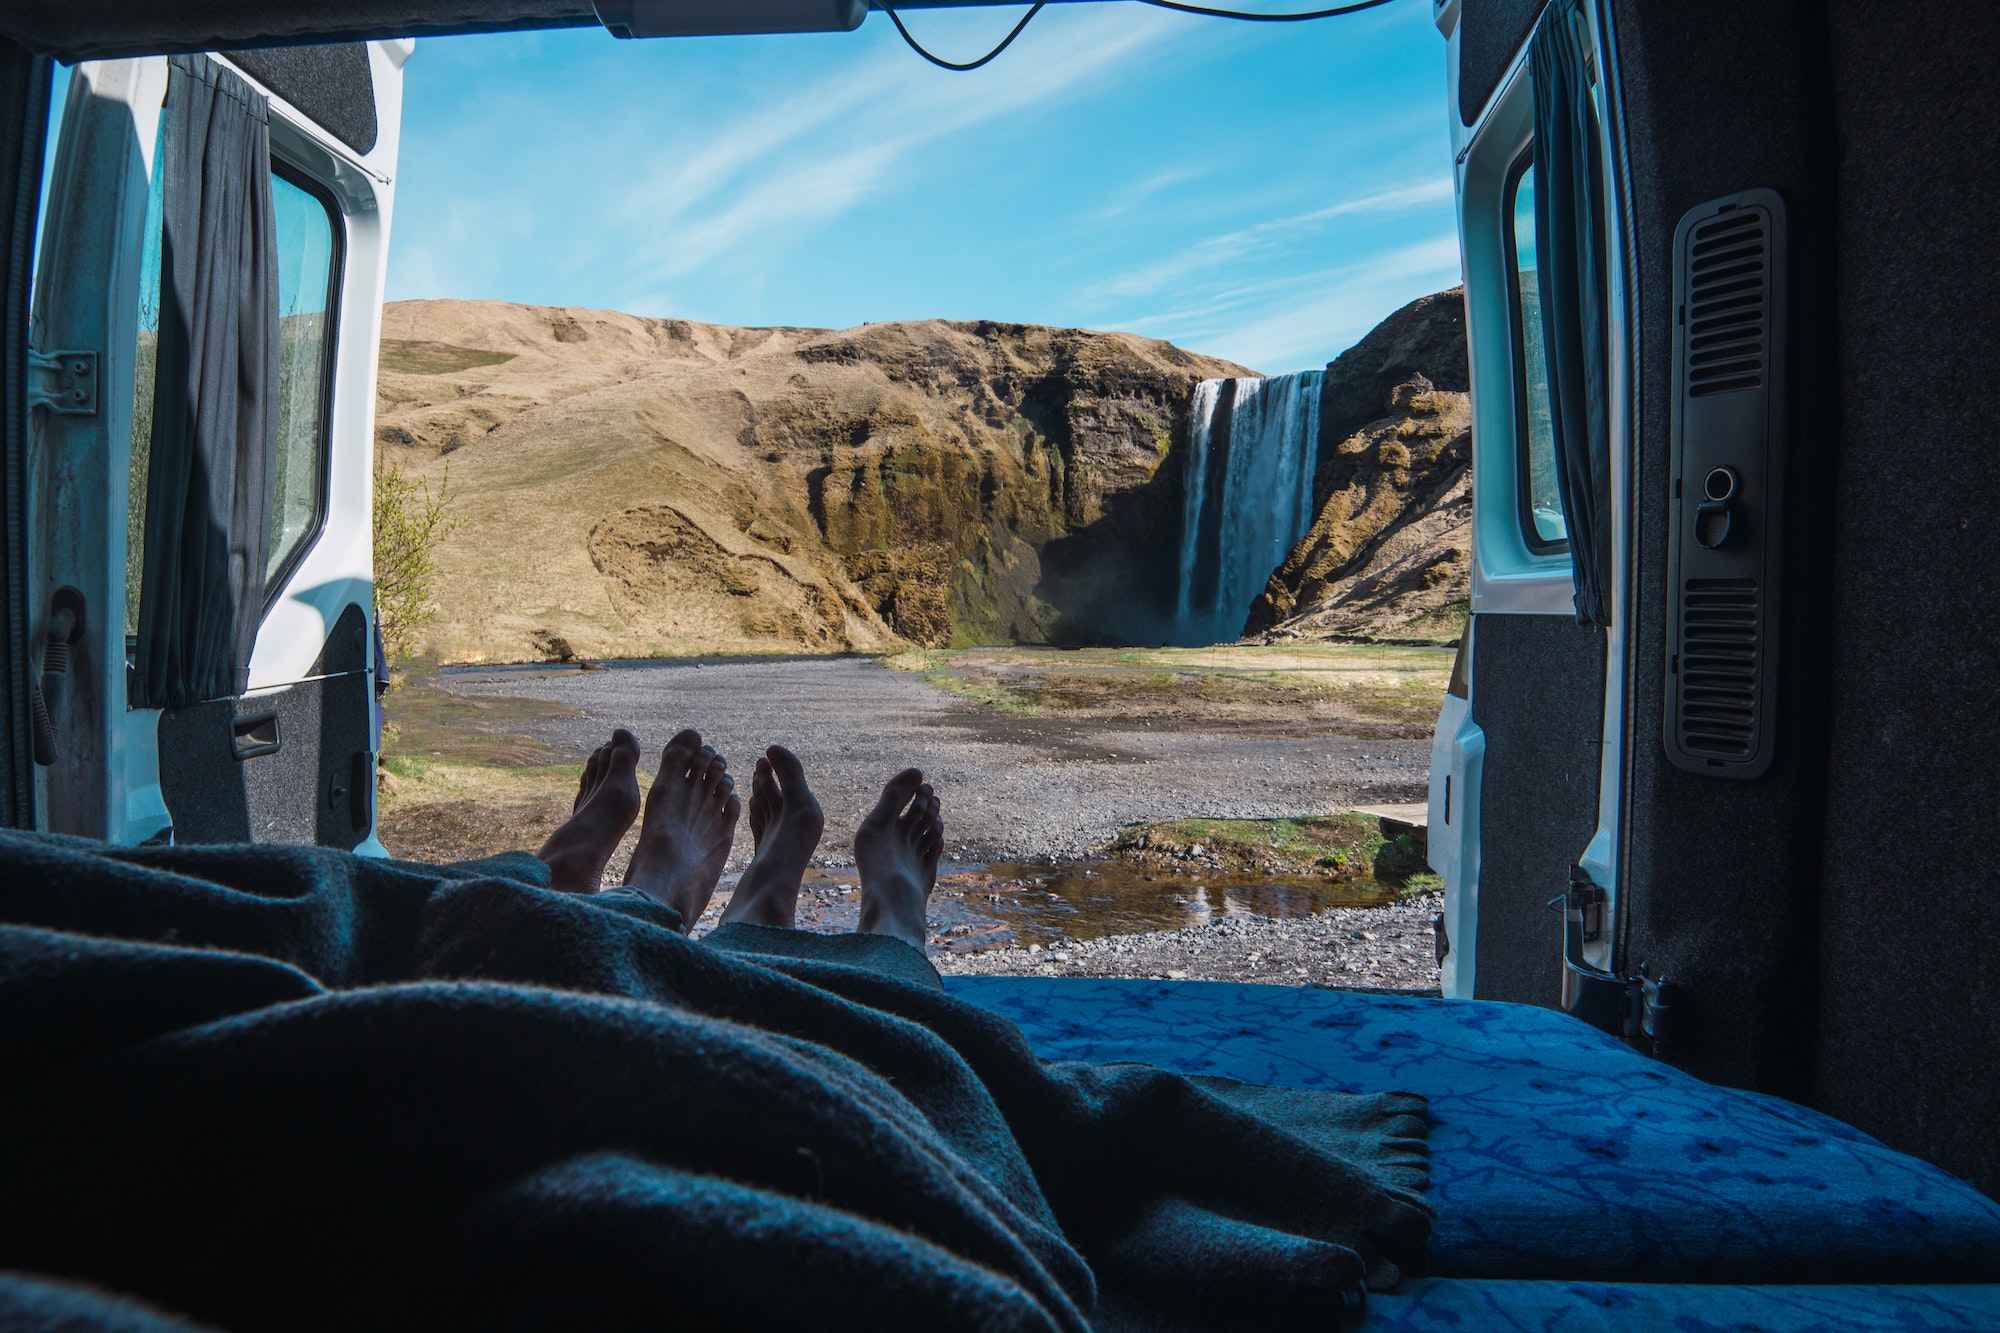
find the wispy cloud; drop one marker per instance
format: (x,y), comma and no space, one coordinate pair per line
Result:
(802,162)
(1232,246)
(1330,309)
(1145,191)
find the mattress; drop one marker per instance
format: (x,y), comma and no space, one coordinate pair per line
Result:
(1558,1154)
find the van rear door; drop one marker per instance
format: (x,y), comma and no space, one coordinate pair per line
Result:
(284,753)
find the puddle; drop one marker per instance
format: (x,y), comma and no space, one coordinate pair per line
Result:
(995,906)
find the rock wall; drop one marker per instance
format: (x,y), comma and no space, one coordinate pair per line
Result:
(1389,552)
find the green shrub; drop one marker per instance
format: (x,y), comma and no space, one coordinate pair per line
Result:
(410,524)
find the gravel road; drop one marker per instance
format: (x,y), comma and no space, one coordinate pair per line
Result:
(1014,787)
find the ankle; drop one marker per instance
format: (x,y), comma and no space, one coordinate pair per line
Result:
(896,905)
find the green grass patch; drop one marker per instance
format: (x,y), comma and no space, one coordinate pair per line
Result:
(410,356)
(1348,845)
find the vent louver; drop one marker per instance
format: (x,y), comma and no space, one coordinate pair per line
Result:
(1729,280)
(1718,666)
(1724,588)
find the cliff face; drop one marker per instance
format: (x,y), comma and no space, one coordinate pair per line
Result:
(1389,552)
(649,487)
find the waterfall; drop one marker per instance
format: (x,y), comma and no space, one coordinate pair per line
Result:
(1253,445)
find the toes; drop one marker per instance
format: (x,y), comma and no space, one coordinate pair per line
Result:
(680,753)
(930,835)
(924,800)
(621,757)
(896,794)
(791,774)
(710,780)
(764,789)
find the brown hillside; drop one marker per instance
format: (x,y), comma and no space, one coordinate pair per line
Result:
(644,487)
(1389,553)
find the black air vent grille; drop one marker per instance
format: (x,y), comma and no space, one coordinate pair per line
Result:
(1718,667)
(1729,262)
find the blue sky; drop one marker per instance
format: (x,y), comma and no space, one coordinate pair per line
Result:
(1262,192)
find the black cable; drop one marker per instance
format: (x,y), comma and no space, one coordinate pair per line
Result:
(1354,8)
(946,64)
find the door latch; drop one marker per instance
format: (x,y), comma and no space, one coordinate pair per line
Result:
(63,382)
(49,694)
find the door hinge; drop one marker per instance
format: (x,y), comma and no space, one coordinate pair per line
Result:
(63,382)
(1645,1006)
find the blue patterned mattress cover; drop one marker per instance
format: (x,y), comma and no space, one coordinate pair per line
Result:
(1557,1152)
(1459,1305)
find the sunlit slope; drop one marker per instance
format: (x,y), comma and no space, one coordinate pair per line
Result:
(641,487)
(1389,554)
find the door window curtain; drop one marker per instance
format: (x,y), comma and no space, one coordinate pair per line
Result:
(215,406)
(1570,240)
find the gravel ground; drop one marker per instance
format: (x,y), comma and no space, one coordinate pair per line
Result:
(1015,787)
(1370,948)
(1021,788)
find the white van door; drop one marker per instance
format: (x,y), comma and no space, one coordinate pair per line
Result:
(281,746)
(1526,755)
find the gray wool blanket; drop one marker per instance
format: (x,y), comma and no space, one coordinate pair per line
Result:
(287,1088)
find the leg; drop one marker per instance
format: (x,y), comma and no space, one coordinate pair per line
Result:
(896,850)
(607,801)
(786,822)
(689,825)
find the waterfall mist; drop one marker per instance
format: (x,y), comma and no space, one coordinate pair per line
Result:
(1253,447)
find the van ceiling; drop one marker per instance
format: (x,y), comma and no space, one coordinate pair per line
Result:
(105,29)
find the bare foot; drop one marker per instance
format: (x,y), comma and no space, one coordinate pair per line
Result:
(785,822)
(607,801)
(896,850)
(690,821)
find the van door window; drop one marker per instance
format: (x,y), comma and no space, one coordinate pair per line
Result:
(307,271)
(1541,500)
(308,274)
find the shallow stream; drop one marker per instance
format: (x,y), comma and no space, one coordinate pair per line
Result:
(990,906)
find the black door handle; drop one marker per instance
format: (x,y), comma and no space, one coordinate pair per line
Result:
(255,734)
(1706,530)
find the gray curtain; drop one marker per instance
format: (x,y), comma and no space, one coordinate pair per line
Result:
(1569,243)
(215,405)
(24,110)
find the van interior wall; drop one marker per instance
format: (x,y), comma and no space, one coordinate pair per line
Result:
(1490,34)
(1827,918)
(1910,1007)
(1538,694)
(24,109)
(1720,96)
